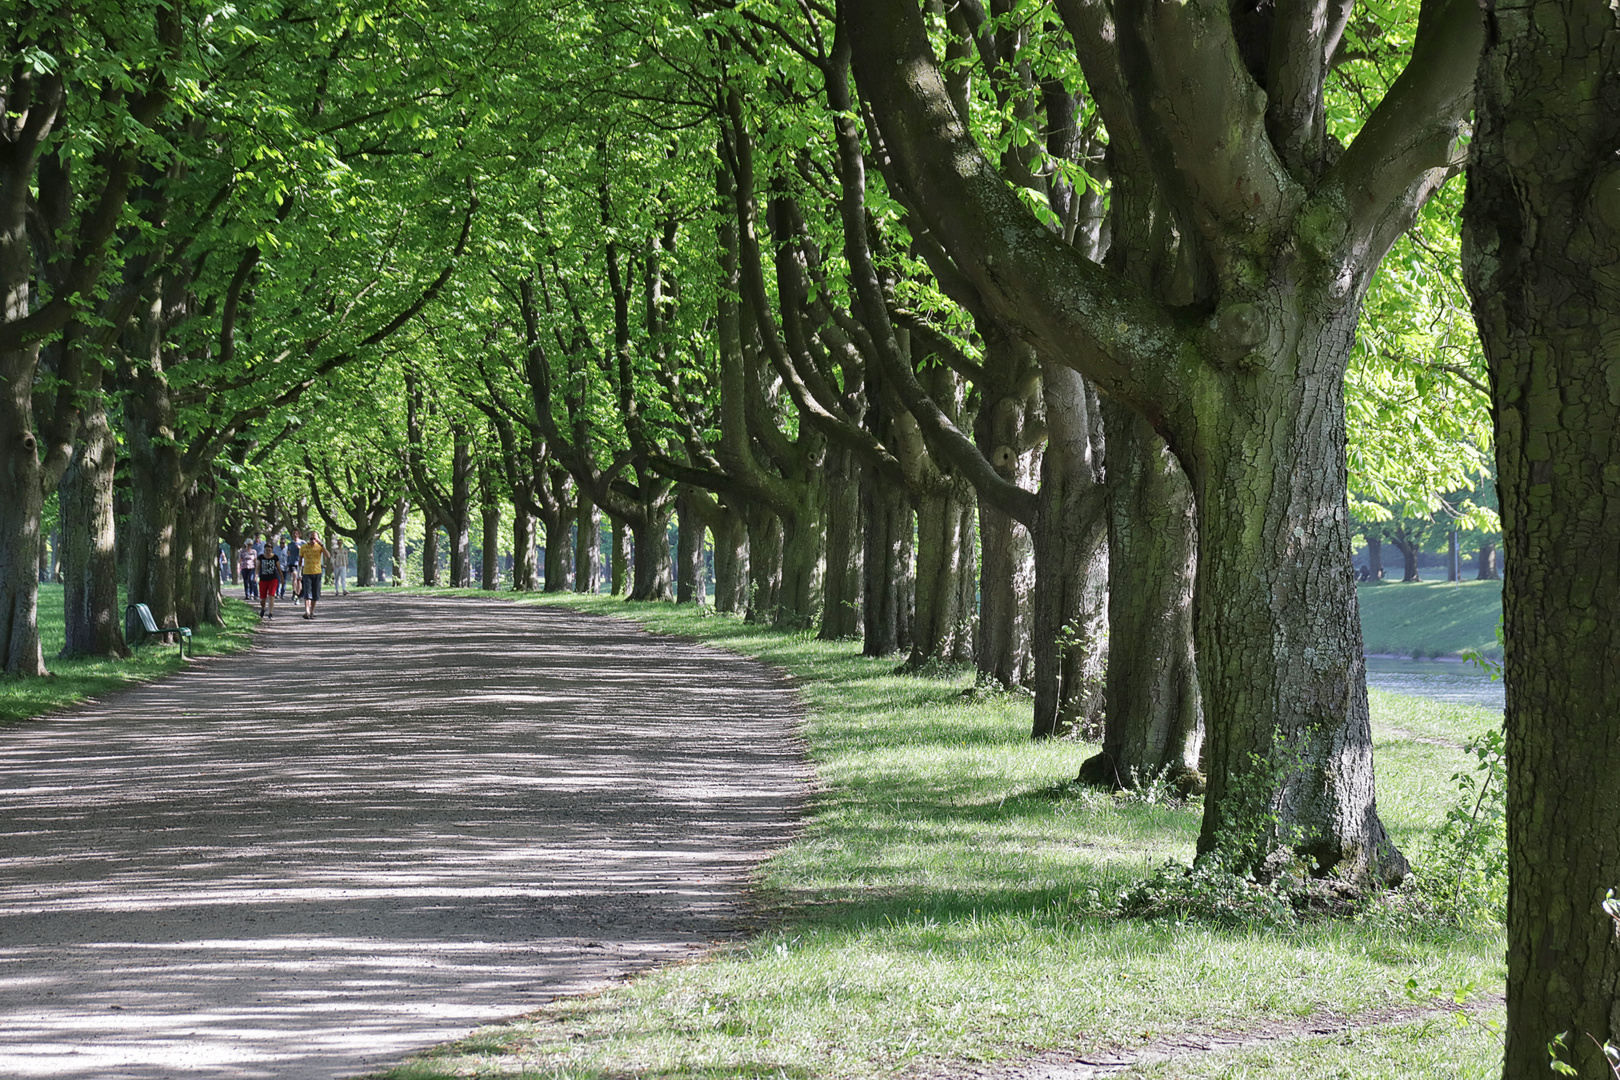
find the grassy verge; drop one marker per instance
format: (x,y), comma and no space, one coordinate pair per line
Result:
(1430,619)
(947,901)
(71,681)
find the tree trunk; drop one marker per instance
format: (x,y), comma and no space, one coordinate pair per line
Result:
(156,491)
(1487,561)
(430,550)
(689,551)
(588,547)
(90,555)
(22,478)
(886,598)
(1278,637)
(1453,558)
(365,554)
(1409,555)
(459,528)
(1006,592)
(1155,720)
(559,545)
(523,565)
(649,556)
(764,565)
(400,554)
(619,556)
(201,567)
(947,573)
(490,577)
(731,563)
(1375,557)
(800,594)
(841,593)
(1071,562)
(1541,248)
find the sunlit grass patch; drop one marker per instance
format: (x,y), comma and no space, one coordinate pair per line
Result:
(950,898)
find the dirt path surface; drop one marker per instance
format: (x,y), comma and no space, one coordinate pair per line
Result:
(372,832)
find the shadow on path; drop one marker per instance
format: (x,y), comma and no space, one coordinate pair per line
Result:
(372,832)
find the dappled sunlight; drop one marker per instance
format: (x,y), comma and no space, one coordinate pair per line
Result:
(372,832)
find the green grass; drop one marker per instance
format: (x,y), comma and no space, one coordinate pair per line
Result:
(1430,618)
(72,681)
(947,901)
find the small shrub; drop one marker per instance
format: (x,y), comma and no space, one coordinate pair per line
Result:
(1205,892)
(1464,874)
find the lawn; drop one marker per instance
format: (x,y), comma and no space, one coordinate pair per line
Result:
(1430,618)
(951,897)
(75,680)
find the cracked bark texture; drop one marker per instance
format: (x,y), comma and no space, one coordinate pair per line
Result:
(1275,232)
(1155,719)
(1541,253)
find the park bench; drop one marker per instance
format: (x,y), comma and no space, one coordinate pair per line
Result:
(150,625)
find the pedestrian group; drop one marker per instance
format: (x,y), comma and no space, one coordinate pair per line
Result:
(269,571)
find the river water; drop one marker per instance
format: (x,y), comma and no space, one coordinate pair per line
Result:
(1438,680)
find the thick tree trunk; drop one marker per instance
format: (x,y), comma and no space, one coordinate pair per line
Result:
(1375,557)
(649,556)
(559,545)
(400,553)
(1541,250)
(365,555)
(1071,562)
(90,556)
(689,586)
(1006,591)
(1409,556)
(490,575)
(459,528)
(841,594)
(21,476)
(764,565)
(731,563)
(157,487)
(619,556)
(800,594)
(523,563)
(201,565)
(886,597)
(947,574)
(587,547)
(1155,719)
(1487,561)
(1279,640)
(430,550)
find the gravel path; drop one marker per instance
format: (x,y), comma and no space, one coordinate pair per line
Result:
(372,832)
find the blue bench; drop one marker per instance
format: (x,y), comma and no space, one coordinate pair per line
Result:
(150,625)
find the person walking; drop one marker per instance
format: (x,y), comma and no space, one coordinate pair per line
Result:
(269,577)
(312,554)
(247,564)
(289,565)
(340,567)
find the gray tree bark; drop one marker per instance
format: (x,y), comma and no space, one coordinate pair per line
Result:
(587,546)
(1541,256)
(1155,720)
(1071,562)
(89,551)
(841,603)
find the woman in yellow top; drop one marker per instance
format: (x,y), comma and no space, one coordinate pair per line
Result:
(312,554)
